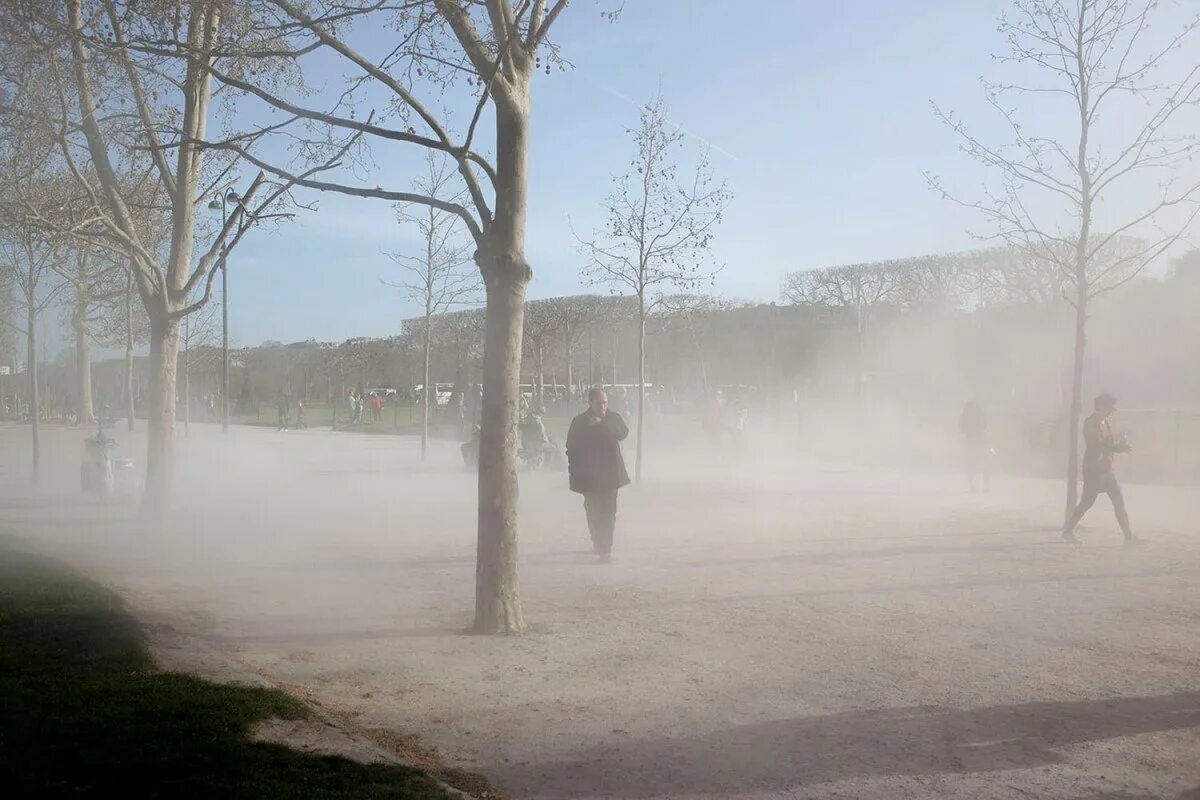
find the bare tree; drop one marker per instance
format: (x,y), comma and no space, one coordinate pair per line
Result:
(201,329)
(1092,57)
(442,276)
(126,91)
(542,326)
(657,231)
(28,255)
(859,289)
(97,281)
(495,47)
(572,315)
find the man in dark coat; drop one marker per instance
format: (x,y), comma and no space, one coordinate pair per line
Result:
(1098,478)
(596,468)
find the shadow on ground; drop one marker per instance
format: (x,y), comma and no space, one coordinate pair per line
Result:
(84,712)
(782,754)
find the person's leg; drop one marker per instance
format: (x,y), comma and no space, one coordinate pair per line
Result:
(1091,490)
(591,508)
(1118,501)
(608,523)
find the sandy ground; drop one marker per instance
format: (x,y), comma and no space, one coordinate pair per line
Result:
(770,628)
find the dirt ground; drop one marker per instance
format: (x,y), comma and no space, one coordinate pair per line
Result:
(771,627)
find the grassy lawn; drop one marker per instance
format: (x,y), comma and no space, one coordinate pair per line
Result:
(83,712)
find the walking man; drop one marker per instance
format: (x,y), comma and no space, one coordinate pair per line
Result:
(596,468)
(1100,449)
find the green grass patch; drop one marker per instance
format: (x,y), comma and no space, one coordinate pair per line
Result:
(84,712)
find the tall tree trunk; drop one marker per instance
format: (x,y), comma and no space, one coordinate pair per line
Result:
(540,386)
(506,276)
(1082,287)
(83,349)
(860,329)
(129,412)
(428,394)
(641,422)
(568,350)
(1076,409)
(83,376)
(614,356)
(31,369)
(187,382)
(160,419)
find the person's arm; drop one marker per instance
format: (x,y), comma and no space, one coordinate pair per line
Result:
(616,425)
(572,435)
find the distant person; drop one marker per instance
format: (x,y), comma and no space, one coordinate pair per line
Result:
(536,447)
(281,403)
(358,408)
(460,413)
(972,424)
(1099,453)
(596,468)
(376,406)
(741,414)
(714,417)
(300,414)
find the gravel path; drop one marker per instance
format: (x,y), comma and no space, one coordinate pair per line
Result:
(768,630)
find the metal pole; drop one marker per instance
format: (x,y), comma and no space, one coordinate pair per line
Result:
(224,332)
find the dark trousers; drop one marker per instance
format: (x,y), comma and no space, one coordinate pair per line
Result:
(601,508)
(1093,487)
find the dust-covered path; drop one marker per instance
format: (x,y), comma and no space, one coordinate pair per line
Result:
(767,630)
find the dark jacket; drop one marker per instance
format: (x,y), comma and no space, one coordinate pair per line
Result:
(1100,447)
(594,460)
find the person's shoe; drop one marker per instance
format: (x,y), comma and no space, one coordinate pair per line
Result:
(1070,537)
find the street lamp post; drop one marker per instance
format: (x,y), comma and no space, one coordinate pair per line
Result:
(229,197)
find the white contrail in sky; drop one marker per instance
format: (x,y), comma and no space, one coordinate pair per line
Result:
(639,106)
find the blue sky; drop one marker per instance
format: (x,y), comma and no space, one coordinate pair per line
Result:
(817,114)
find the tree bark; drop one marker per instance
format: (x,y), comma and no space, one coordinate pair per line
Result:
(187,375)
(1076,410)
(31,370)
(641,422)
(540,386)
(568,350)
(129,412)
(426,392)
(1082,283)
(506,276)
(160,420)
(860,329)
(83,349)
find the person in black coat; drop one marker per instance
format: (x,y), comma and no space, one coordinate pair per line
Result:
(596,468)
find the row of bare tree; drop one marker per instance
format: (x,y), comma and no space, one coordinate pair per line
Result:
(144,112)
